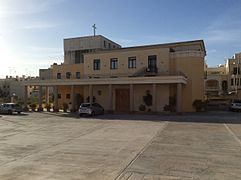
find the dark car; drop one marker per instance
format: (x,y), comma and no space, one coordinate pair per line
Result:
(10,108)
(235,105)
(90,109)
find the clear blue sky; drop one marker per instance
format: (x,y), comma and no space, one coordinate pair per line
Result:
(32,31)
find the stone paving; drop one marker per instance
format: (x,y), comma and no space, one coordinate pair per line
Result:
(59,146)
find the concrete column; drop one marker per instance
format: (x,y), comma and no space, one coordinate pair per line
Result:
(154,97)
(40,101)
(179,98)
(91,93)
(131,98)
(26,98)
(56,106)
(110,98)
(72,97)
(47,95)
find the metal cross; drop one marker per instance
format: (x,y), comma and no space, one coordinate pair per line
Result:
(94,28)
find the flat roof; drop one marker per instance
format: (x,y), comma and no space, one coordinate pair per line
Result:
(173,44)
(96,36)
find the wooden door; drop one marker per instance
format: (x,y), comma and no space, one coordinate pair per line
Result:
(122,100)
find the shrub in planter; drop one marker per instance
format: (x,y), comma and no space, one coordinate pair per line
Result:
(167,108)
(48,107)
(142,107)
(25,109)
(33,106)
(199,105)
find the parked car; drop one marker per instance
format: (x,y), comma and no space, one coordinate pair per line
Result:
(235,105)
(10,108)
(90,109)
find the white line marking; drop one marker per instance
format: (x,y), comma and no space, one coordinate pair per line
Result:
(232,133)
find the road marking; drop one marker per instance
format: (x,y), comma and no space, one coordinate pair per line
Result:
(232,133)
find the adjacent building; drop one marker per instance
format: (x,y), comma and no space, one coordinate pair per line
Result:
(12,88)
(224,80)
(130,79)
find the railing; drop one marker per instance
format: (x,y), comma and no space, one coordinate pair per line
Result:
(212,88)
(140,73)
(137,74)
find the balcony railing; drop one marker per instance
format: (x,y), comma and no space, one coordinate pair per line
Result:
(142,73)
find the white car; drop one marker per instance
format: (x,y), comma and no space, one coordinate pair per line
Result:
(90,109)
(235,105)
(10,108)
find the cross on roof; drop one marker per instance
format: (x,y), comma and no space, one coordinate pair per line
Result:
(94,28)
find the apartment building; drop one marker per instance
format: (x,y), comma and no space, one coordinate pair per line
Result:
(13,88)
(216,81)
(131,79)
(224,80)
(233,73)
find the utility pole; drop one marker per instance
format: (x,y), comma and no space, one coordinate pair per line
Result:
(94,28)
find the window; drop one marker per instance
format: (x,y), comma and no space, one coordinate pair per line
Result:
(236,70)
(58,75)
(77,57)
(152,64)
(104,44)
(109,45)
(132,62)
(113,63)
(67,96)
(232,82)
(96,64)
(59,96)
(77,75)
(68,75)
(152,61)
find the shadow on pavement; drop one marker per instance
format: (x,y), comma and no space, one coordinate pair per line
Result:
(15,114)
(197,117)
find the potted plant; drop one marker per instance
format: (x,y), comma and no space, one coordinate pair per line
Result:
(142,107)
(48,107)
(33,106)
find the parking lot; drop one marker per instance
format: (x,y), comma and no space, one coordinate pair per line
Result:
(62,146)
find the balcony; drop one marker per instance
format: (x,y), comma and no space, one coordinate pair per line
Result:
(212,88)
(151,71)
(167,79)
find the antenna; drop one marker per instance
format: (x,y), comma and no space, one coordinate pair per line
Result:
(94,28)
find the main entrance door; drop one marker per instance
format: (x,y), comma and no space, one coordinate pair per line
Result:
(122,100)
